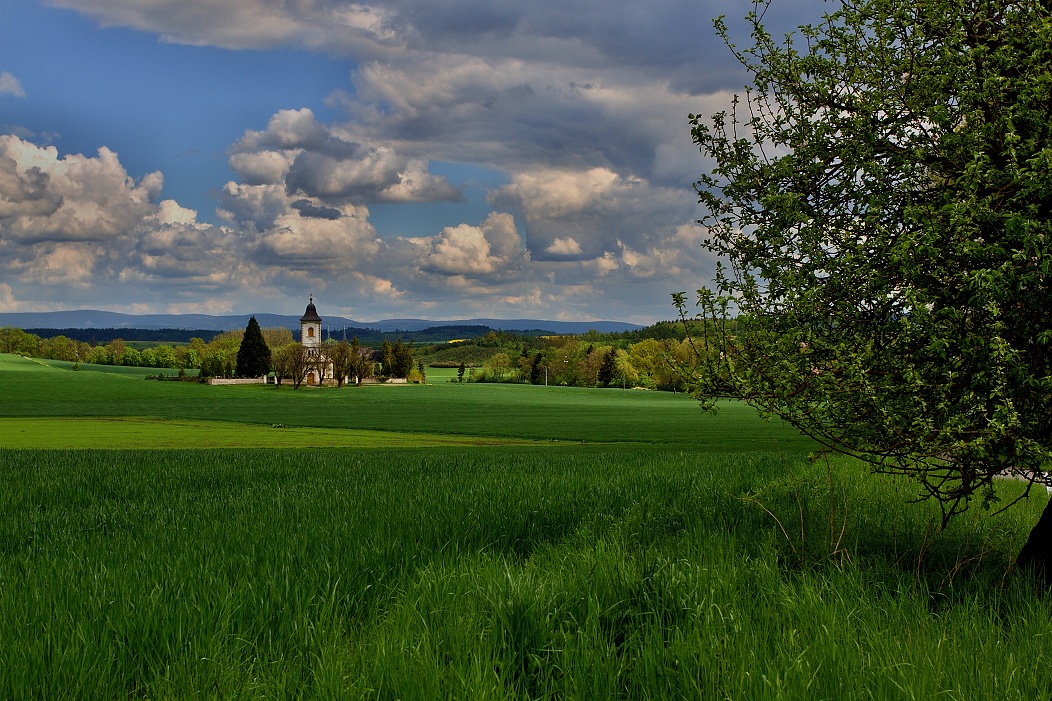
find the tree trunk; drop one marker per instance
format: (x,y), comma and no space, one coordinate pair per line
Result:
(1036,555)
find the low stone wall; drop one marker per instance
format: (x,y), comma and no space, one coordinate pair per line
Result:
(238,381)
(264,380)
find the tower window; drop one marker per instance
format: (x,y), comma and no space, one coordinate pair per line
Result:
(310,332)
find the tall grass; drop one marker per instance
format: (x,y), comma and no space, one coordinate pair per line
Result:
(528,573)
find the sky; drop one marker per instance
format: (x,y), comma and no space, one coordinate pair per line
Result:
(439,159)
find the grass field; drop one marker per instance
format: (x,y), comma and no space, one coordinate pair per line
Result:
(125,433)
(647,551)
(36,389)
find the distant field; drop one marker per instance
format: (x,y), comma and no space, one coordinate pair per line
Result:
(441,374)
(127,371)
(521,412)
(124,433)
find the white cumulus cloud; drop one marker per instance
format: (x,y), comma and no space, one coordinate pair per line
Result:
(477,251)
(564,247)
(73,198)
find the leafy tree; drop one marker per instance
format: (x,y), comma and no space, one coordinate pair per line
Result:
(460,372)
(116,349)
(61,348)
(319,364)
(416,375)
(99,356)
(253,356)
(195,352)
(657,363)
(165,356)
(883,205)
(211,365)
(361,362)
(340,355)
(277,337)
(11,339)
(624,373)
(498,366)
(645,357)
(295,363)
(14,340)
(280,362)
(131,358)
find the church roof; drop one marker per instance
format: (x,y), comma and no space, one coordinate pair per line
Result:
(311,314)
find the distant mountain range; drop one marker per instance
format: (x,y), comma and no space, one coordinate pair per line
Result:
(94,319)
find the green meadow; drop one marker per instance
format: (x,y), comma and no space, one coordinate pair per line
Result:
(47,388)
(166,540)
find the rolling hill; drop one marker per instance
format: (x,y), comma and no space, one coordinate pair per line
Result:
(95,319)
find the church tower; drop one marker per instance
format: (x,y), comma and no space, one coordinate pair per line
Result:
(310,326)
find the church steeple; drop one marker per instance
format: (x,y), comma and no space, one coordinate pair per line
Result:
(310,326)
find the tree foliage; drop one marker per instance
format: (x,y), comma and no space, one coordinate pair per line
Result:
(361,362)
(339,353)
(387,360)
(498,366)
(292,362)
(401,359)
(881,198)
(277,337)
(253,355)
(607,368)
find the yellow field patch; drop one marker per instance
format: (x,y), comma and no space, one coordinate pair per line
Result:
(145,433)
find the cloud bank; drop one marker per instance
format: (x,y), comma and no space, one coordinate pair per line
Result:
(576,112)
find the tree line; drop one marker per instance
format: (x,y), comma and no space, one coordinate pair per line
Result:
(250,353)
(95,336)
(658,361)
(589,360)
(115,352)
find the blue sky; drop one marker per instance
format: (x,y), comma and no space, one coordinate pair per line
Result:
(404,158)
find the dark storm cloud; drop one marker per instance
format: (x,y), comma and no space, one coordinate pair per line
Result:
(307,209)
(670,37)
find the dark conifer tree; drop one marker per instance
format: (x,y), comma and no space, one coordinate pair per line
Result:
(403,358)
(387,359)
(607,369)
(253,357)
(537,369)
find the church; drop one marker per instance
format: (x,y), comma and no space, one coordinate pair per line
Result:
(310,337)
